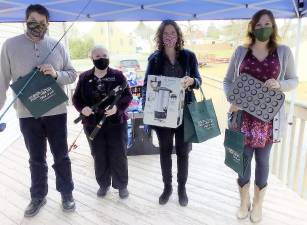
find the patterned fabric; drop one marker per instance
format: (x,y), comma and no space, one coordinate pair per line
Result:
(258,133)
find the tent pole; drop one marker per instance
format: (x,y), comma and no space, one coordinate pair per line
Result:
(296,58)
(300,166)
(285,154)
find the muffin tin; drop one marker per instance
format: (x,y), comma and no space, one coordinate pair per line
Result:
(250,94)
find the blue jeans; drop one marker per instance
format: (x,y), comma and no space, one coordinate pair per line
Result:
(262,156)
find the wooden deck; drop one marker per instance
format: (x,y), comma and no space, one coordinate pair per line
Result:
(212,191)
(12,125)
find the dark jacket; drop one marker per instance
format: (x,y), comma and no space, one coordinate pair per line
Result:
(187,61)
(83,96)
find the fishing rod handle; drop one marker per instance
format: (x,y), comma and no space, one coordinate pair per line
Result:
(96,130)
(79,118)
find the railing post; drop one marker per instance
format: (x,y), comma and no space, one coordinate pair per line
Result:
(275,161)
(284,155)
(292,154)
(300,163)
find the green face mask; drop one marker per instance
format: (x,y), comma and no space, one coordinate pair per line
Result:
(263,34)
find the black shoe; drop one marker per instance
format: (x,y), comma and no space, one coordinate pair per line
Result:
(163,199)
(182,194)
(123,193)
(68,203)
(34,207)
(102,191)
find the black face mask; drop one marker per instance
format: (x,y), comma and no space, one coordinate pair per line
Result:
(101,63)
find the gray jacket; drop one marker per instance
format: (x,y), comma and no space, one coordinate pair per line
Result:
(20,55)
(287,79)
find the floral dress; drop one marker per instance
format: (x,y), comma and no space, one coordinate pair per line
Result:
(258,133)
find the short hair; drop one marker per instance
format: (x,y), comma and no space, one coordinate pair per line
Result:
(39,9)
(96,47)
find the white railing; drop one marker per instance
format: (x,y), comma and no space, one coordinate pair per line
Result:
(288,158)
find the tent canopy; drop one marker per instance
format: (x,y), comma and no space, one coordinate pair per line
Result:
(149,10)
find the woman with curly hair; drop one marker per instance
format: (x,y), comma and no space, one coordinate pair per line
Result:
(170,59)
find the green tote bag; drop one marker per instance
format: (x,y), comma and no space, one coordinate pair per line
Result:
(234,151)
(200,122)
(40,95)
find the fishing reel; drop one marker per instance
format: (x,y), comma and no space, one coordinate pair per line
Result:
(2,126)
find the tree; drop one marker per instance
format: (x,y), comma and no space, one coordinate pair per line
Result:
(144,31)
(80,47)
(235,32)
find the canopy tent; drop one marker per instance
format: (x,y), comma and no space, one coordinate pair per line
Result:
(149,10)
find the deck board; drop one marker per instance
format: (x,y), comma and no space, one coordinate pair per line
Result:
(212,191)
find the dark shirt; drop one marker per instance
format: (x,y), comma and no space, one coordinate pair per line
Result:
(172,70)
(91,89)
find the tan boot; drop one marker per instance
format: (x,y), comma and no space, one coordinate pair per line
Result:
(256,213)
(245,204)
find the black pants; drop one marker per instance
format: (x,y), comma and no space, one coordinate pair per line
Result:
(109,152)
(36,132)
(165,137)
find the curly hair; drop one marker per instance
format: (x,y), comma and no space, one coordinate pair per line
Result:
(159,35)
(273,42)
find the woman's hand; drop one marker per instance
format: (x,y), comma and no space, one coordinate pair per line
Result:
(112,111)
(87,111)
(187,82)
(234,108)
(272,84)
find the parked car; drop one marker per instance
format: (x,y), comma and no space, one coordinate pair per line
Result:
(128,64)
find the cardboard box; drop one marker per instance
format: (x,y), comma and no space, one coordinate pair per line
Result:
(164,101)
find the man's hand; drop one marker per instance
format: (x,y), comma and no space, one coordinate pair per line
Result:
(48,69)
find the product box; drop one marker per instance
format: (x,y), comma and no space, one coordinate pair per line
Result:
(164,101)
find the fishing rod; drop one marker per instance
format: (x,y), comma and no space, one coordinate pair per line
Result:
(104,117)
(117,92)
(95,107)
(3,125)
(73,144)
